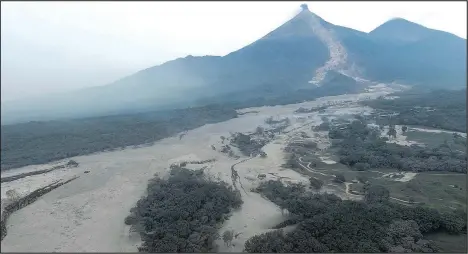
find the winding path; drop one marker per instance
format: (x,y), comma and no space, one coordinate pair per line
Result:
(310,169)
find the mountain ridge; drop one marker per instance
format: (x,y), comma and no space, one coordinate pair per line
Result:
(405,30)
(296,55)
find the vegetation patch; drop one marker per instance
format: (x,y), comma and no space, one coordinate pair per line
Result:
(63,139)
(182,213)
(360,146)
(442,109)
(70,164)
(310,110)
(328,224)
(444,192)
(15,202)
(434,139)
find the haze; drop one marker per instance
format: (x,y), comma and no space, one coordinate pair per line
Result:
(53,47)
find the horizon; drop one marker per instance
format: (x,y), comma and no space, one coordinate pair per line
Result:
(96,50)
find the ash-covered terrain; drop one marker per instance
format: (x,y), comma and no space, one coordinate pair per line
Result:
(263,145)
(314,138)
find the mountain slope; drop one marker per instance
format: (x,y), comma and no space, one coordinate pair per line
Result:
(297,55)
(400,50)
(275,60)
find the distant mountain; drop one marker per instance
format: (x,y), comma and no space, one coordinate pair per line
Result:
(414,54)
(302,54)
(399,29)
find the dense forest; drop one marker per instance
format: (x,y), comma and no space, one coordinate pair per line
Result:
(42,142)
(325,223)
(182,213)
(444,109)
(360,146)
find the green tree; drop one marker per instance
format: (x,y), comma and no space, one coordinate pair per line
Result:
(316,183)
(362,166)
(362,178)
(391,131)
(404,128)
(228,235)
(339,178)
(376,193)
(72,163)
(259,130)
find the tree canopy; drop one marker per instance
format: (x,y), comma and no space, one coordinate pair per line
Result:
(182,213)
(360,146)
(325,223)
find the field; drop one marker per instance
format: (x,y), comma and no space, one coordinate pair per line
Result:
(432,137)
(449,243)
(444,191)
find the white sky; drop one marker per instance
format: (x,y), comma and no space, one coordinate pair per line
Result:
(49,47)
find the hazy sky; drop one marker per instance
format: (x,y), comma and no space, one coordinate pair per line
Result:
(49,47)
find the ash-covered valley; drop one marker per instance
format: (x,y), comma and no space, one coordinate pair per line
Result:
(314,138)
(288,145)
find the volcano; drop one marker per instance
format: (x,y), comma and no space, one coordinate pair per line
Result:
(306,54)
